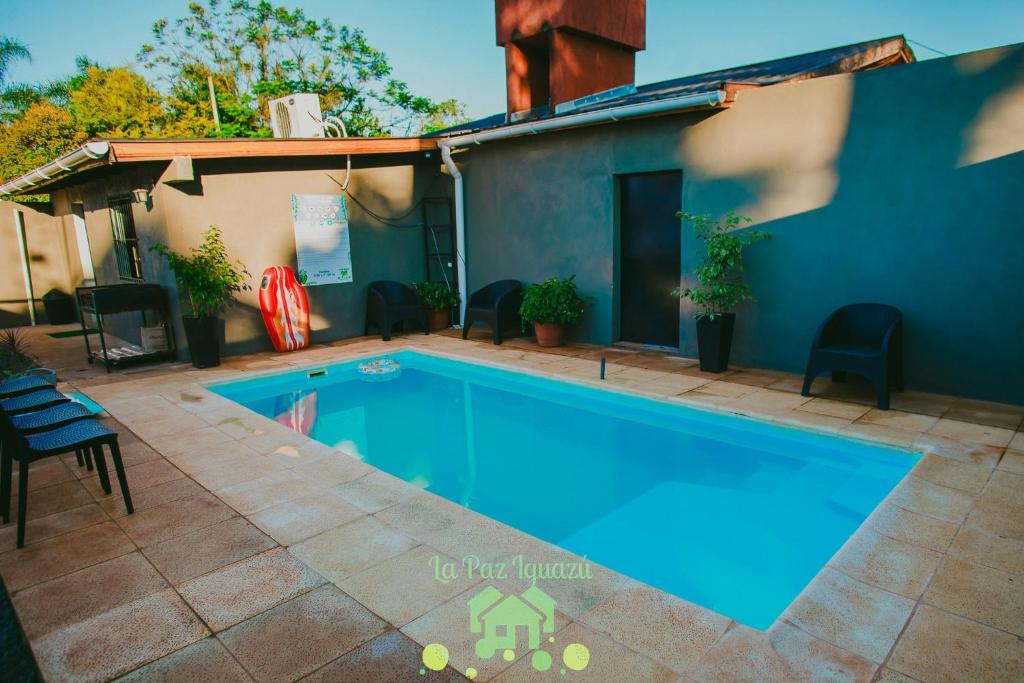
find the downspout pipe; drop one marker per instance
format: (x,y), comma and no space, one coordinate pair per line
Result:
(64,165)
(711,98)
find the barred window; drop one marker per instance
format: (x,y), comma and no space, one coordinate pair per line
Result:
(126,242)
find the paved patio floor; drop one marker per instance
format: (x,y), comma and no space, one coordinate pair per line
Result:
(256,553)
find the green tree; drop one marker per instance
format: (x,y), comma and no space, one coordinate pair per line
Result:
(14,97)
(256,51)
(42,133)
(116,103)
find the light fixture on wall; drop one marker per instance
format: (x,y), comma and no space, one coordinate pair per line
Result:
(140,195)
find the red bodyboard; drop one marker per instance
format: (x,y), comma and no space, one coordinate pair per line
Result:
(285,309)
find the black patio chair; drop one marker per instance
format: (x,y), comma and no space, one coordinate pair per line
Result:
(496,305)
(865,339)
(22,385)
(55,416)
(389,303)
(81,435)
(32,401)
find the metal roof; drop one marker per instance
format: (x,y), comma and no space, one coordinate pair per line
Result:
(870,54)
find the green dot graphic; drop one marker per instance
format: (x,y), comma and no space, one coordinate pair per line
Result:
(508,655)
(576,656)
(541,660)
(435,656)
(471,673)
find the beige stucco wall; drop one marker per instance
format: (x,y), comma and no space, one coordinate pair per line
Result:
(250,199)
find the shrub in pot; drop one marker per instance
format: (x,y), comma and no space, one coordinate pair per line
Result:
(720,285)
(549,306)
(209,280)
(439,299)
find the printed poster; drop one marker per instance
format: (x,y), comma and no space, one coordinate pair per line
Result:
(322,246)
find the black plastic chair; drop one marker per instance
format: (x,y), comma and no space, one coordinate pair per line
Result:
(82,435)
(389,303)
(865,339)
(22,385)
(32,401)
(55,416)
(496,305)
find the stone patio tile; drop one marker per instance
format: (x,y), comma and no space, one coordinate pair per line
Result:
(133,452)
(910,527)
(405,587)
(43,473)
(235,471)
(139,477)
(974,433)
(150,497)
(853,615)
(977,454)
(201,439)
(51,499)
(1013,461)
(880,433)
(239,591)
(992,550)
(898,419)
(118,641)
(980,593)
(200,552)
(921,402)
(677,383)
(782,654)
(337,468)
(349,549)
(609,660)
(174,422)
(391,657)
(723,388)
(205,660)
(998,518)
(986,413)
(74,597)
(236,422)
(258,494)
(302,518)
(826,406)
(275,439)
(941,647)
(177,518)
(891,676)
(1004,487)
(923,497)
(663,627)
(1017,442)
(759,378)
(376,491)
(771,400)
(37,530)
(423,516)
(887,563)
(227,453)
(301,635)
(952,473)
(799,418)
(62,555)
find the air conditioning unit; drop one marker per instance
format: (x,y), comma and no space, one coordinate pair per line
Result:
(297,116)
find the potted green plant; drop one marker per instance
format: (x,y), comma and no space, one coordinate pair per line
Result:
(439,299)
(549,306)
(720,285)
(209,280)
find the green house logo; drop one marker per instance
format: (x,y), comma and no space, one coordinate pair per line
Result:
(499,617)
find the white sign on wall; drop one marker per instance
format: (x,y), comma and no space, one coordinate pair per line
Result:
(322,246)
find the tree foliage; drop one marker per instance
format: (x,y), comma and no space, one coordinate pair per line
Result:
(40,135)
(721,286)
(116,103)
(256,51)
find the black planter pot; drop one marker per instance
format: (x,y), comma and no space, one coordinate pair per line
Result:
(714,341)
(203,345)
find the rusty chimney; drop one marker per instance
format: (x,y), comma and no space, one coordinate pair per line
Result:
(559,50)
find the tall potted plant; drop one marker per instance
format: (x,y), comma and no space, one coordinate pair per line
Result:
(720,284)
(209,280)
(550,306)
(439,299)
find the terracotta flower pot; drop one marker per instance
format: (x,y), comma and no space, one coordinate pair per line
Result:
(549,334)
(437,320)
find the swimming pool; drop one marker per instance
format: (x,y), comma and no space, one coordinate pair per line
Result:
(730,513)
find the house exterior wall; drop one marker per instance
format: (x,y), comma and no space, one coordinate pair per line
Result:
(53,260)
(250,199)
(901,185)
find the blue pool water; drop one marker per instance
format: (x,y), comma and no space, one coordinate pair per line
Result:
(730,513)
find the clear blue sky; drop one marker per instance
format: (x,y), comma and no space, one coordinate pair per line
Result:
(445,48)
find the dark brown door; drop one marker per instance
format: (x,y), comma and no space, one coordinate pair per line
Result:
(649,245)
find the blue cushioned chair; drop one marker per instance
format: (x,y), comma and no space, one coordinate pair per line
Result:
(865,339)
